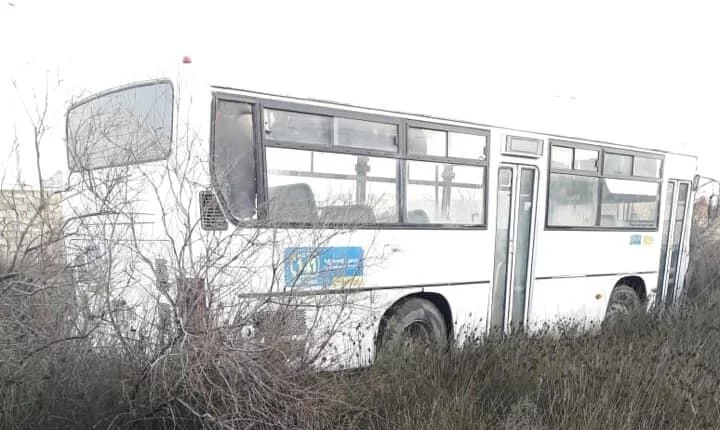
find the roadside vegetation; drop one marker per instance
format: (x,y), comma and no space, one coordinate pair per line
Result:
(650,371)
(70,359)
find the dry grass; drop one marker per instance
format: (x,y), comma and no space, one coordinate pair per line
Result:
(650,372)
(655,371)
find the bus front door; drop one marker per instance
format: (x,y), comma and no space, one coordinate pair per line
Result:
(672,263)
(515,234)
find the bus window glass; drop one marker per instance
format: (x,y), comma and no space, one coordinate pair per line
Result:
(233,157)
(427,142)
(618,164)
(317,187)
(627,203)
(648,167)
(562,157)
(585,159)
(365,134)
(444,193)
(297,128)
(573,200)
(468,146)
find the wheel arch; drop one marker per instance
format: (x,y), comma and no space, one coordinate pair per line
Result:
(438,300)
(636,283)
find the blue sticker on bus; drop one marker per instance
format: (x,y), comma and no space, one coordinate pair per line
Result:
(325,267)
(635,239)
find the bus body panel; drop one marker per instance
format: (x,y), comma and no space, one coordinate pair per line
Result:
(595,253)
(572,271)
(574,301)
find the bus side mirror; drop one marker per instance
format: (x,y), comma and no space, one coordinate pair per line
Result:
(122,126)
(695,182)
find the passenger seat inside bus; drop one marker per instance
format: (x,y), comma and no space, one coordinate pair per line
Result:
(292,203)
(418,216)
(352,214)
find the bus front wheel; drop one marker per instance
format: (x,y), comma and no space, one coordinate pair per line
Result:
(624,300)
(415,323)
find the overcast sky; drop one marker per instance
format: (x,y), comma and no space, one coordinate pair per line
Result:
(645,74)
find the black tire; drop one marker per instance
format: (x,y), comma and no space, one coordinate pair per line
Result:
(416,322)
(624,301)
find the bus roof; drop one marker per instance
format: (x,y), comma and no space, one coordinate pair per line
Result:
(422,117)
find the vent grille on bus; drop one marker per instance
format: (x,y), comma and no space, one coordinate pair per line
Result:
(211,214)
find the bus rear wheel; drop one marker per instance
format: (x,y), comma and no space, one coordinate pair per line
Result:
(624,300)
(415,324)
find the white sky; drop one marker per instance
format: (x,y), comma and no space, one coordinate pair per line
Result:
(643,74)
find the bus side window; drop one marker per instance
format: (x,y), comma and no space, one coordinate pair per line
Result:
(331,188)
(295,202)
(233,157)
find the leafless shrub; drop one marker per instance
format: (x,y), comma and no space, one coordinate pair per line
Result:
(106,325)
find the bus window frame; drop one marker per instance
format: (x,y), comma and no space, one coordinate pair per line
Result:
(401,156)
(599,173)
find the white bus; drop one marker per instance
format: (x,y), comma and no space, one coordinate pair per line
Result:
(375,224)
